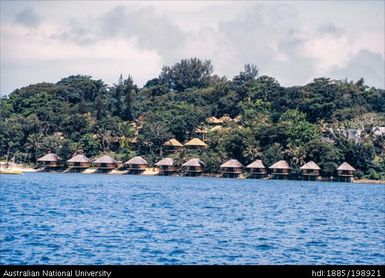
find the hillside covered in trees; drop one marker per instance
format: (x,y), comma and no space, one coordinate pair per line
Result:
(328,121)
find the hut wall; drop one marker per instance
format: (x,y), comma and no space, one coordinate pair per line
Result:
(280,171)
(193,169)
(345,173)
(52,164)
(80,164)
(106,166)
(232,170)
(260,171)
(166,170)
(310,172)
(137,166)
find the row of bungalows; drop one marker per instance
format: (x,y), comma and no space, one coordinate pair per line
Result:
(281,170)
(79,163)
(194,167)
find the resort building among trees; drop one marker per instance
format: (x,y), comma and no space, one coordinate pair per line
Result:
(280,170)
(257,169)
(79,163)
(345,172)
(310,171)
(217,128)
(214,121)
(136,165)
(195,143)
(231,169)
(50,161)
(105,164)
(172,145)
(201,131)
(193,167)
(166,166)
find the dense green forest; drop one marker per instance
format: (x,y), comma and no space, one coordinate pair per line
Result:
(328,121)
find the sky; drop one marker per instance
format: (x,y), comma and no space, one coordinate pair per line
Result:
(292,41)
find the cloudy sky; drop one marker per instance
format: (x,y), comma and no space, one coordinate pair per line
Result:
(293,41)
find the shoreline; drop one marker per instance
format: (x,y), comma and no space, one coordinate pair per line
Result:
(151,171)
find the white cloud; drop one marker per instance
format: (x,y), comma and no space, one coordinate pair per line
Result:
(364,64)
(292,41)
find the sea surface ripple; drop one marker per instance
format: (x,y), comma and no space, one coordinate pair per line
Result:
(110,219)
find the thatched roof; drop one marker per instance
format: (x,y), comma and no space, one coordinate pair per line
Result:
(232,163)
(345,167)
(213,120)
(311,165)
(79,159)
(105,159)
(51,157)
(225,119)
(173,143)
(196,142)
(137,160)
(165,162)
(258,164)
(216,128)
(194,162)
(282,164)
(201,130)
(237,119)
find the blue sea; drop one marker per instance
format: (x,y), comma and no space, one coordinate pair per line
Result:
(110,219)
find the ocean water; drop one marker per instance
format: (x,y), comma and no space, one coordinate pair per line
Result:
(105,219)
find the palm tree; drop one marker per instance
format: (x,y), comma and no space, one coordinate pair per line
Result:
(32,145)
(296,155)
(252,152)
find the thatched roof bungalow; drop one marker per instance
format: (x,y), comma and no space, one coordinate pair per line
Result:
(280,169)
(257,169)
(105,163)
(225,119)
(50,160)
(345,172)
(193,167)
(310,171)
(136,165)
(166,166)
(173,145)
(231,168)
(202,131)
(79,161)
(196,143)
(214,121)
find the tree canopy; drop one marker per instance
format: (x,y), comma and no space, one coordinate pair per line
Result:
(328,121)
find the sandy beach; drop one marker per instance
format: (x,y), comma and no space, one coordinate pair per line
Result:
(16,167)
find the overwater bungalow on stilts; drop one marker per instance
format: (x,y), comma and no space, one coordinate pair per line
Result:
(310,171)
(193,167)
(172,146)
(345,172)
(166,166)
(136,165)
(280,170)
(50,162)
(105,164)
(195,143)
(231,169)
(257,170)
(79,163)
